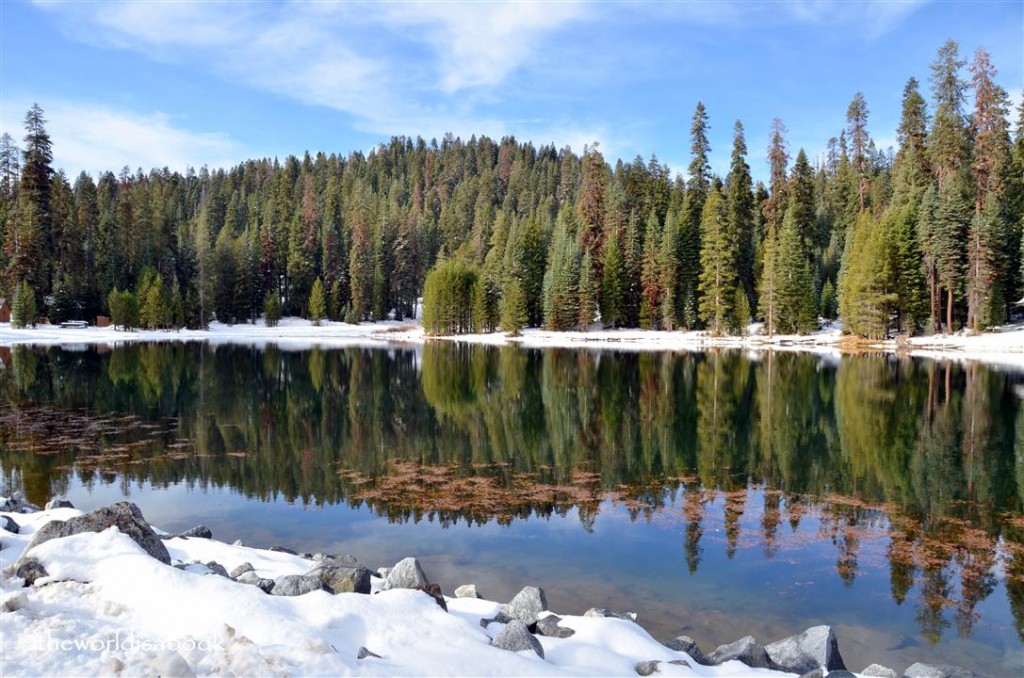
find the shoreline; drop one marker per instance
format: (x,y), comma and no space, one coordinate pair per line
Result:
(1002,346)
(105,592)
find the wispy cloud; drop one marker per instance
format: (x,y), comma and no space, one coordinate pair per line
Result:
(93,138)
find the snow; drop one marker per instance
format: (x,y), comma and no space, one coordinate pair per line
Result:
(1002,346)
(107,607)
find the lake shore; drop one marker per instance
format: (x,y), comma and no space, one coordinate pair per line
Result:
(1002,346)
(104,592)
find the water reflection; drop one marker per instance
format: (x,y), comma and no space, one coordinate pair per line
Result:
(925,460)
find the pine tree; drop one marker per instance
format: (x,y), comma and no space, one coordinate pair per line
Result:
(908,280)
(561,281)
(740,198)
(768,292)
(612,292)
(951,218)
(718,278)
(668,265)
(317,302)
(947,141)
(778,159)
(588,293)
(797,311)
(698,186)
(864,301)
(272,309)
(857,127)
(650,281)
(335,306)
(513,310)
(23,306)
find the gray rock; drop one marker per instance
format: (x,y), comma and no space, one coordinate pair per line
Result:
(8,524)
(920,670)
(549,626)
(342,578)
(240,570)
(647,668)
(841,673)
(383,572)
(680,662)
(200,531)
(746,650)
(58,502)
(30,570)
(364,653)
(406,574)
(609,614)
(816,673)
(467,591)
(16,504)
(515,637)
(217,568)
(434,591)
(253,579)
(485,621)
(295,585)
(879,671)
(816,647)
(689,646)
(525,606)
(124,515)
(330,559)
(281,549)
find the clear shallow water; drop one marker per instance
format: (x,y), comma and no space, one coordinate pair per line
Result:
(715,495)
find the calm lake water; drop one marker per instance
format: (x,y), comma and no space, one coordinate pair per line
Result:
(715,494)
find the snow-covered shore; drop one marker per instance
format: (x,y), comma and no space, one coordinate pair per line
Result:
(118,600)
(1002,346)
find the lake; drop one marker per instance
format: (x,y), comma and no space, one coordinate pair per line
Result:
(716,494)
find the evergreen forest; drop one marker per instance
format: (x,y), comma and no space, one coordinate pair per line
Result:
(502,235)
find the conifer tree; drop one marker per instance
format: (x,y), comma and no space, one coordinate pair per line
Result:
(857,128)
(667,269)
(740,198)
(317,302)
(650,281)
(513,310)
(865,301)
(561,281)
(718,278)
(795,284)
(588,292)
(612,285)
(947,141)
(697,188)
(768,297)
(272,308)
(23,306)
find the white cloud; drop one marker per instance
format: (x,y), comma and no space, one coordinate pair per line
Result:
(94,138)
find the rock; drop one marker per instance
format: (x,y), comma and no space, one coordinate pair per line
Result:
(816,647)
(328,559)
(879,671)
(295,585)
(746,650)
(485,621)
(680,662)
(240,570)
(515,637)
(343,579)
(200,531)
(434,591)
(30,570)
(841,673)
(281,549)
(364,653)
(124,515)
(467,591)
(816,673)
(217,568)
(8,524)
(58,502)
(383,572)
(647,668)
(253,579)
(406,574)
(920,670)
(16,504)
(548,626)
(525,606)
(689,646)
(15,602)
(602,612)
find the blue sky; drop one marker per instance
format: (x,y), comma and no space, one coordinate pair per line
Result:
(178,83)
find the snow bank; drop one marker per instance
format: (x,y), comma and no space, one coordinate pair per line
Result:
(106,607)
(1000,346)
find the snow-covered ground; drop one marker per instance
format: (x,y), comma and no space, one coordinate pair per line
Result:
(1001,346)
(107,607)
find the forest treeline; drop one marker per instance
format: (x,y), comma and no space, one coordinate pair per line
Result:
(926,237)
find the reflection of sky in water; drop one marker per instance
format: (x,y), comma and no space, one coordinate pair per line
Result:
(622,564)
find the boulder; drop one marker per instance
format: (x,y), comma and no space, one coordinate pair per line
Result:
(816,673)
(217,568)
(281,549)
(331,559)
(879,671)
(30,570)
(253,579)
(467,591)
(8,524)
(343,578)
(434,591)
(746,650)
(515,637)
(58,502)
(525,606)
(200,531)
(647,668)
(16,504)
(549,626)
(406,574)
(609,614)
(295,585)
(920,670)
(240,570)
(364,653)
(123,515)
(689,646)
(815,648)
